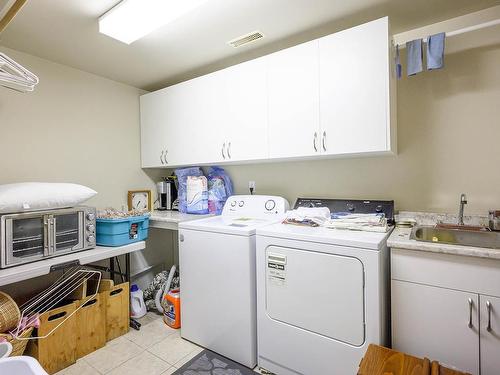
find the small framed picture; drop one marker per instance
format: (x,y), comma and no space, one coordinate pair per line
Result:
(140,200)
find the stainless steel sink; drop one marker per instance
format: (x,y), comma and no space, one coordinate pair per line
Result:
(456,236)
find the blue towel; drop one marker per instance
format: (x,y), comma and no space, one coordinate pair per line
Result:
(397,62)
(414,57)
(435,51)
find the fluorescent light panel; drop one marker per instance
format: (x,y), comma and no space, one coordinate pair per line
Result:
(130,20)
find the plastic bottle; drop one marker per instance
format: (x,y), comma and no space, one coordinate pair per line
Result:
(137,305)
(172,309)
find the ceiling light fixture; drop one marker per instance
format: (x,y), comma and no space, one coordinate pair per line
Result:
(130,20)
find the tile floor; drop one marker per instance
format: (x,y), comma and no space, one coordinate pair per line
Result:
(154,350)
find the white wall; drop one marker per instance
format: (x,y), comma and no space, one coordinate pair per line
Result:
(75,127)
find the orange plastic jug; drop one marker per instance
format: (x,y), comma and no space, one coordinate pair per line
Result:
(172,309)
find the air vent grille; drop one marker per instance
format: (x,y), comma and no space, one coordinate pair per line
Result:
(245,39)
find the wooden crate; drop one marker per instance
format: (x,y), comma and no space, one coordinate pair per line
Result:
(383,361)
(58,350)
(90,325)
(117,302)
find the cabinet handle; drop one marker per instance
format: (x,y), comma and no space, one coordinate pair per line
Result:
(165,157)
(314,141)
(488,307)
(223,147)
(229,150)
(470,313)
(161,157)
(323,141)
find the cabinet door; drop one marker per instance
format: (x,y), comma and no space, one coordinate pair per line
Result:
(153,130)
(490,335)
(434,323)
(245,113)
(354,89)
(194,118)
(293,87)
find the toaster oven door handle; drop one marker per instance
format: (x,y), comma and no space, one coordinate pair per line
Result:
(46,239)
(53,237)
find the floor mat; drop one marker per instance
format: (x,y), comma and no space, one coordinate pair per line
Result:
(210,363)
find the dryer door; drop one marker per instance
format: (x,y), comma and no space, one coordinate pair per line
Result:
(321,293)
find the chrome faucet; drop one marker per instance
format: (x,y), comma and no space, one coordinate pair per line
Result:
(463,202)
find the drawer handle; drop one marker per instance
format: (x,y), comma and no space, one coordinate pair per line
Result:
(470,313)
(488,307)
(314,141)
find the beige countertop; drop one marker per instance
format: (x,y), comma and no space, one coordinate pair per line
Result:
(171,219)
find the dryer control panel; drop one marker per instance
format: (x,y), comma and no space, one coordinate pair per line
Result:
(255,206)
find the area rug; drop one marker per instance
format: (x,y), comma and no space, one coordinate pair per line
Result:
(210,363)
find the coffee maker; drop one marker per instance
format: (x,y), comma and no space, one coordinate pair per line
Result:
(167,194)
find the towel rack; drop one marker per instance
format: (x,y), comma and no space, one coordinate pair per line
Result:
(480,20)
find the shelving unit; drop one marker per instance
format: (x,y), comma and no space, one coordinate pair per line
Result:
(43,267)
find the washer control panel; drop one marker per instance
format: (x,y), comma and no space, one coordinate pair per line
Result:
(255,205)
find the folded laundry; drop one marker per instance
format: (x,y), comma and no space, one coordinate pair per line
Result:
(362,222)
(313,217)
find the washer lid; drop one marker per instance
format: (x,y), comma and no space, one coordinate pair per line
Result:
(340,237)
(238,225)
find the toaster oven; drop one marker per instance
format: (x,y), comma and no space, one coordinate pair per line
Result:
(31,236)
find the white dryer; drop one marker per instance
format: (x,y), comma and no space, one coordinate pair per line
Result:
(322,294)
(217,271)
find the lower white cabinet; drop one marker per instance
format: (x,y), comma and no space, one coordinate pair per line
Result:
(489,329)
(434,323)
(447,308)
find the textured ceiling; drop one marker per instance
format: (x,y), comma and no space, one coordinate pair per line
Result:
(67,32)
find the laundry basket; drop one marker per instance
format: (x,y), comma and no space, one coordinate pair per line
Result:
(9,313)
(18,346)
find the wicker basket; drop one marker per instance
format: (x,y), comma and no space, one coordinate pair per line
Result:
(18,346)
(9,313)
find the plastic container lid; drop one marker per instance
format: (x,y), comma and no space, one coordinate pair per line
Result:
(134,288)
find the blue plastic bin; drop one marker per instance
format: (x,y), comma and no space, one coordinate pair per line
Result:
(119,232)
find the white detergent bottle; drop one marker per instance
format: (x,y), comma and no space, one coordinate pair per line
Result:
(137,305)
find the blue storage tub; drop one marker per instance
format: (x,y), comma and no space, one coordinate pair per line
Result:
(123,231)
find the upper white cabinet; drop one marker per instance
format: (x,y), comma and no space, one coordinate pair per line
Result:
(331,96)
(293,87)
(245,112)
(354,90)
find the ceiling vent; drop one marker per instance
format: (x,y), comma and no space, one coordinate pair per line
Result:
(246,39)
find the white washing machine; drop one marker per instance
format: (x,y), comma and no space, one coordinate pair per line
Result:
(322,294)
(217,270)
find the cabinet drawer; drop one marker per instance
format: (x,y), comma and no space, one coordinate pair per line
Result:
(476,275)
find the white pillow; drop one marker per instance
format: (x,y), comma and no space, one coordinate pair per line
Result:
(33,196)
